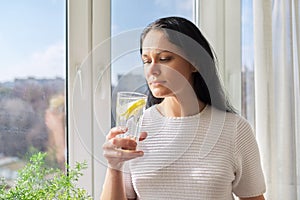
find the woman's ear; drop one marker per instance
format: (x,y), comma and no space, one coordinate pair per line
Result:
(194,69)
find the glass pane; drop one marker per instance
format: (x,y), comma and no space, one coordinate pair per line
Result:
(248,98)
(128,20)
(32,83)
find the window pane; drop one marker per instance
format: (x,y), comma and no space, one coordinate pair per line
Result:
(128,20)
(32,83)
(248,100)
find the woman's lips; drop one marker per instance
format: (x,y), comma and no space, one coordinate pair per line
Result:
(157,83)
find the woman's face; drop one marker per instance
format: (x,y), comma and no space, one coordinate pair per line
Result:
(166,71)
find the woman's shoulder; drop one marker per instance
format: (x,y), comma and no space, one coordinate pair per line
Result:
(151,112)
(231,121)
(234,116)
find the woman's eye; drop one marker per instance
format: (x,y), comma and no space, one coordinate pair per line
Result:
(164,59)
(146,61)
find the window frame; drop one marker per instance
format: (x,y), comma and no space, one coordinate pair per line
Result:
(224,36)
(85,22)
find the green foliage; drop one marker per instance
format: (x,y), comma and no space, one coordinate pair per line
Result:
(50,160)
(36,181)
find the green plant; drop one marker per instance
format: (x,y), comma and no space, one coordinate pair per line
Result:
(36,181)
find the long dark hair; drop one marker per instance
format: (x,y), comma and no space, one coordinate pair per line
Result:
(206,82)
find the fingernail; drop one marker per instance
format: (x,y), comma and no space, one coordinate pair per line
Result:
(122,128)
(141,153)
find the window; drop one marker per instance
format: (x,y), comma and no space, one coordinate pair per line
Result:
(33,69)
(248,97)
(95,65)
(90,57)
(220,22)
(32,83)
(128,20)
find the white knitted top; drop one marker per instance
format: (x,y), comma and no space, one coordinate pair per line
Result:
(210,155)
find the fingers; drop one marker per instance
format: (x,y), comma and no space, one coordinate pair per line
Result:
(117,150)
(117,157)
(119,143)
(115,131)
(115,153)
(120,130)
(124,143)
(143,136)
(122,155)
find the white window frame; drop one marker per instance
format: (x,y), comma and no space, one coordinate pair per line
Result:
(89,24)
(220,22)
(86,19)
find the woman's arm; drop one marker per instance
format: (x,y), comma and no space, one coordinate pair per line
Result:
(261,197)
(113,187)
(117,151)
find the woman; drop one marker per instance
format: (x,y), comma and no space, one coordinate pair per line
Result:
(194,145)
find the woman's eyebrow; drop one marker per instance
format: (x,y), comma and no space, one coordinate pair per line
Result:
(163,51)
(144,55)
(157,52)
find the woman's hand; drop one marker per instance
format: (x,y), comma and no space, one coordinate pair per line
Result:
(118,150)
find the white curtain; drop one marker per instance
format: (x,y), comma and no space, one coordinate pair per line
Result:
(277,94)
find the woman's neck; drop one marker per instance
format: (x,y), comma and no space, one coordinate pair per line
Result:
(172,107)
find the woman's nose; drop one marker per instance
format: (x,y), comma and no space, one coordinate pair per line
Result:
(152,68)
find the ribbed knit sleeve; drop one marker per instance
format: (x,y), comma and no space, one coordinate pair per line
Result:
(249,179)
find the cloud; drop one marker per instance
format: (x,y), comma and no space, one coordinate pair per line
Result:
(52,58)
(46,63)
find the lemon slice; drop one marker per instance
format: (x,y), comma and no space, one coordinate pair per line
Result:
(134,108)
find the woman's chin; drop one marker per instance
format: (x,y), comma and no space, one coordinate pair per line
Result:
(157,94)
(160,94)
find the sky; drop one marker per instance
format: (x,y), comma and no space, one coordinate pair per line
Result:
(247,34)
(137,15)
(33,32)
(32,39)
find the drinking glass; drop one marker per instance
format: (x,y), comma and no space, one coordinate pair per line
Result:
(129,112)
